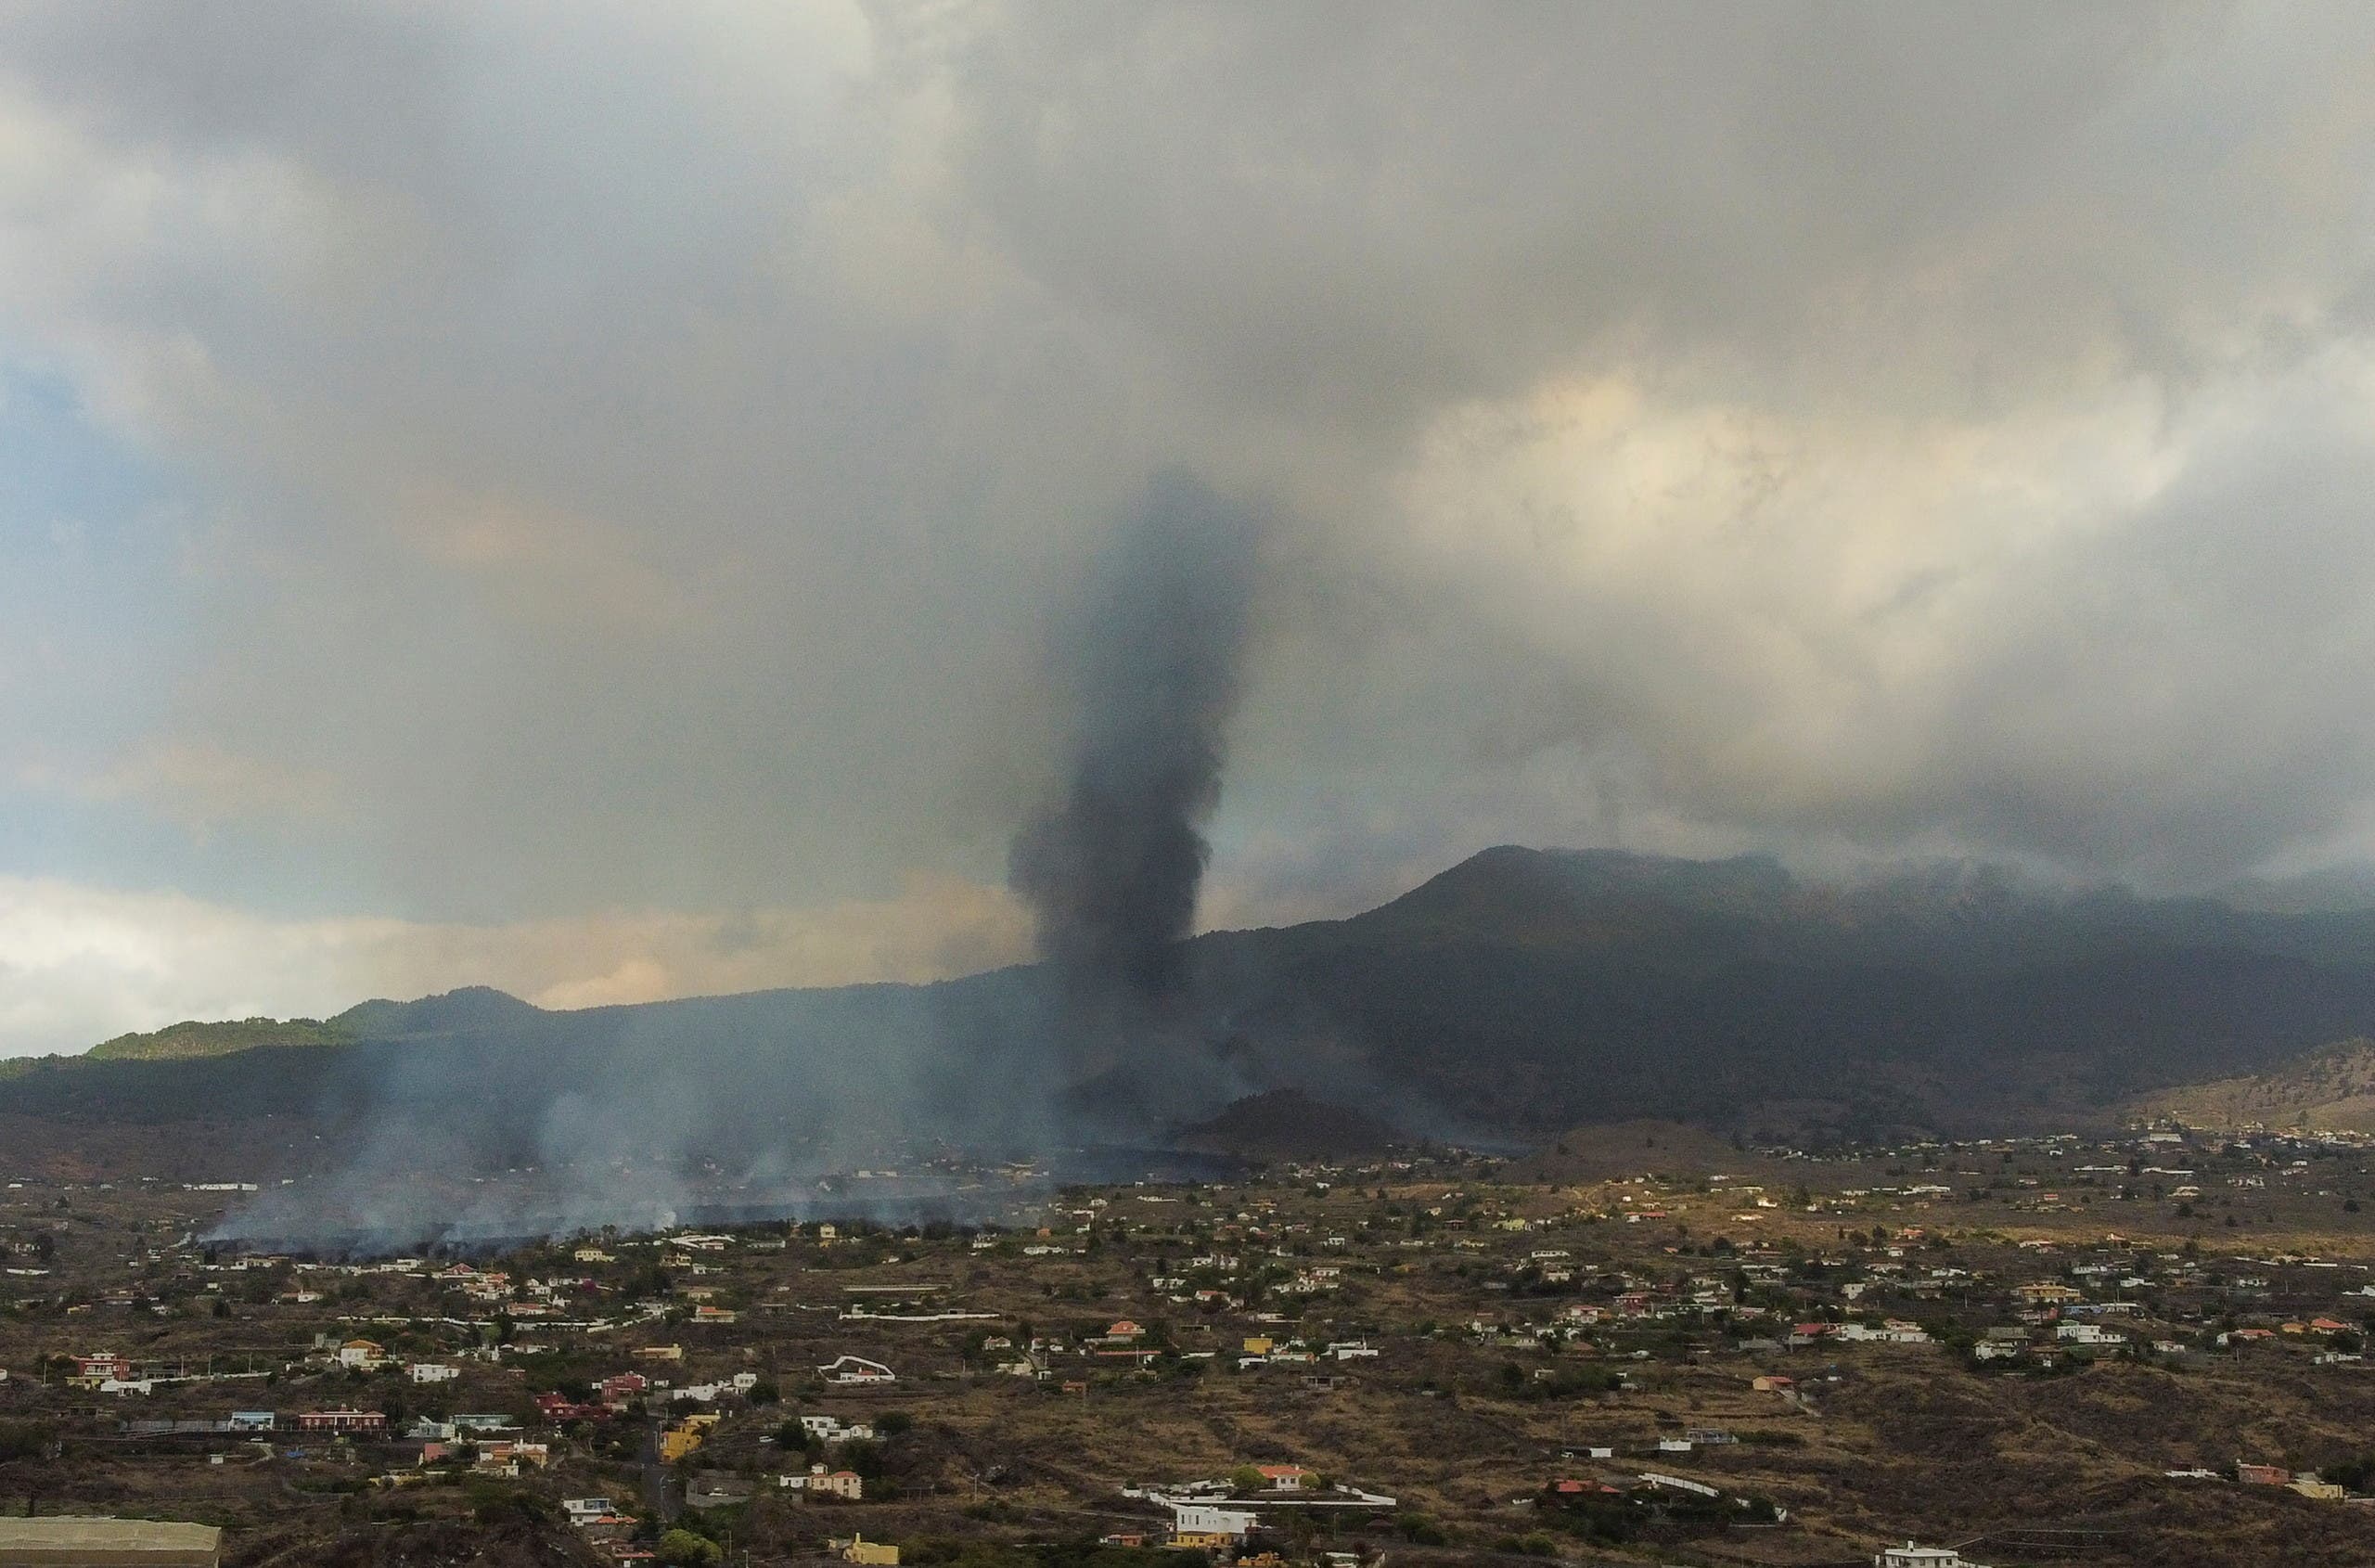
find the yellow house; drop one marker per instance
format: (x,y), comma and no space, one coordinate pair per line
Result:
(1258,1345)
(860,1549)
(1199,1540)
(684,1436)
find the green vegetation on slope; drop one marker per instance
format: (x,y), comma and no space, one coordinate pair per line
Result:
(181,1041)
(249,1066)
(472,1007)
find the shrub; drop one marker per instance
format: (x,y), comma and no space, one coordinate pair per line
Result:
(683,1548)
(25,1440)
(507,1506)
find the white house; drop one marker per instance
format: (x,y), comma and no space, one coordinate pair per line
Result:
(2089,1333)
(844,1483)
(432,1371)
(1210,1519)
(1911,1556)
(857,1370)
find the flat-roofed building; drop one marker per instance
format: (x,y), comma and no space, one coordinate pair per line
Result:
(67,1541)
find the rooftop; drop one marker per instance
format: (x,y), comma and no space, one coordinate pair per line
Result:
(66,1541)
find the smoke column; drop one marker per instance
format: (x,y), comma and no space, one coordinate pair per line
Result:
(628,1115)
(1149,662)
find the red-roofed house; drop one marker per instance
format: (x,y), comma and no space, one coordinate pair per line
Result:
(106,1364)
(1567,1487)
(368,1424)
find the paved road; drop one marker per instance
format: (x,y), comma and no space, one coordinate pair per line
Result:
(657,1489)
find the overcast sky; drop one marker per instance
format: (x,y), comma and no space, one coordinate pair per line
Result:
(572,497)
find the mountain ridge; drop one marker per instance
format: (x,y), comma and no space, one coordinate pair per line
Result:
(1517,990)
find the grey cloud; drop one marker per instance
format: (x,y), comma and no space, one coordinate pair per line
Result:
(1363,211)
(644,445)
(2180,697)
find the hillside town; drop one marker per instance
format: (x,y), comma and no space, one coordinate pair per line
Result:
(1654,1348)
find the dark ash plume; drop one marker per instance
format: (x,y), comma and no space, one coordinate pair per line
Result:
(1149,666)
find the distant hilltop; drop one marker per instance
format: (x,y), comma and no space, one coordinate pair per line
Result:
(178,1042)
(472,1007)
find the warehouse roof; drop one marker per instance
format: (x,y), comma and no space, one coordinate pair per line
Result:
(64,1541)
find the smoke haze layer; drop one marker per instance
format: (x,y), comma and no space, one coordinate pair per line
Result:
(1150,664)
(622,1116)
